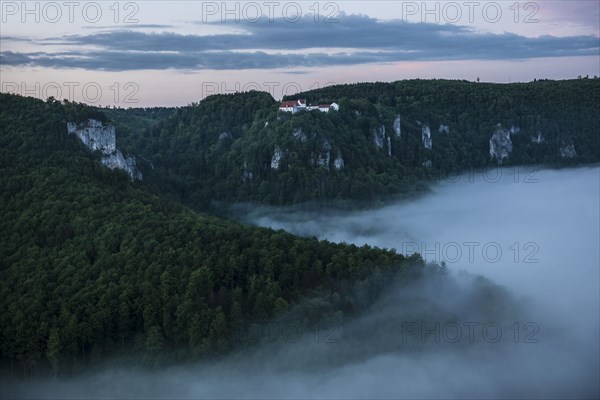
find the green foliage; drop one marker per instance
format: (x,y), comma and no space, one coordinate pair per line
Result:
(53,351)
(92,265)
(132,121)
(221,149)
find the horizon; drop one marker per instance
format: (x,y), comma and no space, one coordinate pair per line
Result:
(295,95)
(152,54)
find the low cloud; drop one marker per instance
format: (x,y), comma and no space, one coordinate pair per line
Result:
(536,339)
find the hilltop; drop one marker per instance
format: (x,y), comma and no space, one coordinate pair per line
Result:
(385,139)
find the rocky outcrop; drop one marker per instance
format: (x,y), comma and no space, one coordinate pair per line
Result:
(500,145)
(567,150)
(94,135)
(397,127)
(538,138)
(379,136)
(116,160)
(247,175)
(426,137)
(338,163)
(323,160)
(224,135)
(444,129)
(325,155)
(276,158)
(99,137)
(380,139)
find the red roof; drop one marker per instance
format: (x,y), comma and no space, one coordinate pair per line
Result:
(293,103)
(290,103)
(324,105)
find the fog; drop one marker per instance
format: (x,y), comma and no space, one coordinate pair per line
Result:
(535,233)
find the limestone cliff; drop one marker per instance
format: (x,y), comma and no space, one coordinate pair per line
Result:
(500,145)
(98,137)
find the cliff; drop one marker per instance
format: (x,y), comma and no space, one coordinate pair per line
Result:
(98,137)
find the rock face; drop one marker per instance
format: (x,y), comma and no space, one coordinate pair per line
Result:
(325,155)
(379,136)
(500,145)
(380,139)
(116,160)
(98,137)
(247,175)
(538,139)
(224,135)
(338,163)
(276,159)
(568,150)
(323,160)
(426,137)
(397,127)
(94,135)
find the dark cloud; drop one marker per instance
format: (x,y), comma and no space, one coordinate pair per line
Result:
(283,44)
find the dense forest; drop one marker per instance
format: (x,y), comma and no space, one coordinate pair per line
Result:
(239,147)
(93,265)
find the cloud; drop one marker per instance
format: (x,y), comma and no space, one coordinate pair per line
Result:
(585,13)
(296,72)
(354,40)
(131,26)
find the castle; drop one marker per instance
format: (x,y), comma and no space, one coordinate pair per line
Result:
(294,106)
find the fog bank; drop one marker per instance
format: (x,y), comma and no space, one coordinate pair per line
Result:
(537,235)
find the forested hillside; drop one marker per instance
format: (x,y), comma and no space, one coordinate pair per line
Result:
(93,265)
(387,138)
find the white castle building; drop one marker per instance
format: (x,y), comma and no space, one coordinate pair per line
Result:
(294,106)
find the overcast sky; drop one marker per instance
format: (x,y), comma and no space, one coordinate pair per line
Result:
(172,53)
